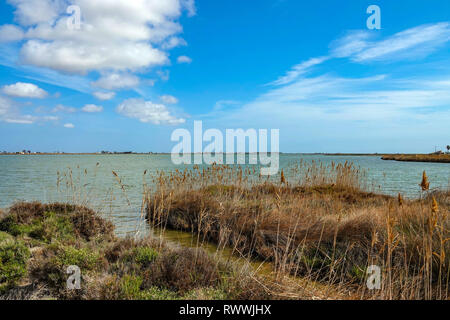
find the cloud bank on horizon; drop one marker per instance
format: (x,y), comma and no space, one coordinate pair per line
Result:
(364,89)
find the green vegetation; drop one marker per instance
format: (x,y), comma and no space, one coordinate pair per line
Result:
(13,258)
(38,242)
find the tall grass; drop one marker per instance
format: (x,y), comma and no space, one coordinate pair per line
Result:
(318,222)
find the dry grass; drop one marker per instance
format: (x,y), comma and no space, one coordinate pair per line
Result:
(443,158)
(320,225)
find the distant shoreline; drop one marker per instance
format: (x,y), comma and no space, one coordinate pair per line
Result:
(438,158)
(168,153)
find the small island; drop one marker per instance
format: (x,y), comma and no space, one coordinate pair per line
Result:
(442,157)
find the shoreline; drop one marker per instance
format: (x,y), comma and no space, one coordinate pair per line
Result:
(436,158)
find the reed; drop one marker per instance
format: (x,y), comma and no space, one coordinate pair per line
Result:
(320,223)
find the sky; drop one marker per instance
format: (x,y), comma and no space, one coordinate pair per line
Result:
(128,73)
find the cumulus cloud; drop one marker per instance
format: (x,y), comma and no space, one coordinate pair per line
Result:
(173,42)
(92,108)
(104,95)
(114,81)
(168,99)
(65,109)
(119,35)
(24,90)
(69,125)
(189,5)
(31,12)
(69,57)
(9,32)
(163,74)
(184,59)
(148,112)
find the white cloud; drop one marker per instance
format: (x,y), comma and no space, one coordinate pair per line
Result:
(299,70)
(70,57)
(164,75)
(414,42)
(340,103)
(114,81)
(92,108)
(148,112)
(184,59)
(221,104)
(69,126)
(189,5)
(5,106)
(65,109)
(50,118)
(10,113)
(31,12)
(119,35)
(104,95)
(26,119)
(173,42)
(24,90)
(9,32)
(168,99)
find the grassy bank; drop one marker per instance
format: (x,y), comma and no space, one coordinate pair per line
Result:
(442,158)
(39,241)
(320,225)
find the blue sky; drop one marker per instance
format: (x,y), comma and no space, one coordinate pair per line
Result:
(135,71)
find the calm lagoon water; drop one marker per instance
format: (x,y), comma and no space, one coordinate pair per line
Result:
(35,178)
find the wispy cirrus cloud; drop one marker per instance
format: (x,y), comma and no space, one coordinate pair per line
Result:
(10,112)
(378,107)
(299,69)
(360,46)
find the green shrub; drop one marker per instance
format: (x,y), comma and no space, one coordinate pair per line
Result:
(84,258)
(131,289)
(145,255)
(5,236)
(43,228)
(13,260)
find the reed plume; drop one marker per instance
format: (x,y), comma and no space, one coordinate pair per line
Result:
(425,184)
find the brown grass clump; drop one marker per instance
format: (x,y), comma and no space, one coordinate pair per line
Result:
(323,226)
(434,206)
(425,185)
(400,199)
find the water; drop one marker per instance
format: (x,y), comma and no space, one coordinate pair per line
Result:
(35,178)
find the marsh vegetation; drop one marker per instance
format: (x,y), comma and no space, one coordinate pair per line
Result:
(310,233)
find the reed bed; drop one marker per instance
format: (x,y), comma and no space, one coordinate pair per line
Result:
(317,222)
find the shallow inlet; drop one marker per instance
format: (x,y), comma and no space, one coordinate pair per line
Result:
(224,253)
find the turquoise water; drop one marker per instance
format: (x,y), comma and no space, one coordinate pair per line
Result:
(35,178)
